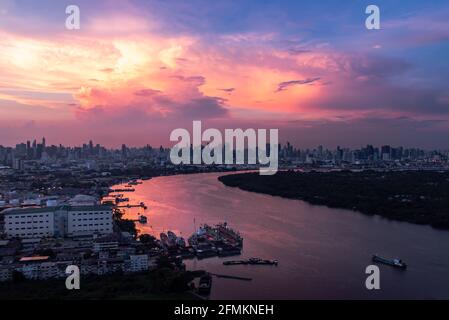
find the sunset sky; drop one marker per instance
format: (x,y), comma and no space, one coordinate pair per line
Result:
(136,70)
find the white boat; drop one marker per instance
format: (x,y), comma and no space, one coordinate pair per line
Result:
(172,237)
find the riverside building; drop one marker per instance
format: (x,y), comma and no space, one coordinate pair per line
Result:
(59,221)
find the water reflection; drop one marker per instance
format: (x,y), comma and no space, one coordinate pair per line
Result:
(322,252)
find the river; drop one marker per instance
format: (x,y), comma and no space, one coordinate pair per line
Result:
(322,252)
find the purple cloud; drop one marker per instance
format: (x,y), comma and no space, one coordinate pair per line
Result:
(284,85)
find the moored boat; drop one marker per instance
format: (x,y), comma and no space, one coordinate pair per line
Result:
(205,284)
(398,263)
(164,239)
(143,219)
(180,242)
(251,261)
(172,238)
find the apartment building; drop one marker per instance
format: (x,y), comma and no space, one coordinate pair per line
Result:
(29,223)
(59,221)
(85,220)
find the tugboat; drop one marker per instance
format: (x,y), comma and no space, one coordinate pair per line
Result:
(226,251)
(172,237)
(398,263)
(205,284)
(143,219)
(164,239)
(180,242)
(142,204)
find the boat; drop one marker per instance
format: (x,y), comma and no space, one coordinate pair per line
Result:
(220,232)
(121,190)
(205,284)
(164,239)
(228,235)
(143,219)
(142,204)
(205,252)
(251,261)
(260,261)
(180,242)
(172,238)
(234,262)
(398,263)
(229,251)
(187,253)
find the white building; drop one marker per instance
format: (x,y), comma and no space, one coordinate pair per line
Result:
(85,220)
(138,263)
(29,223)
(83,200)
(30,271)
(43,270)
(59,221)
(99,246)
(5,274)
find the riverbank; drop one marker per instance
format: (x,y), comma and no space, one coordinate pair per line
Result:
(325,250)
(419,197)
(161,284)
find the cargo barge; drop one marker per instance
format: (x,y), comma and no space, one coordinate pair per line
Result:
(397,263)
(251,261)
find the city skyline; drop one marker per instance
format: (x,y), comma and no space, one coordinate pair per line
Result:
(136,70)
(36,151)
(34,142)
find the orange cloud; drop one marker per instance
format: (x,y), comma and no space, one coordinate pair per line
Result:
(105,67)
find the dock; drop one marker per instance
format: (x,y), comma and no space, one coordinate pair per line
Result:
(122,190)
(132,206)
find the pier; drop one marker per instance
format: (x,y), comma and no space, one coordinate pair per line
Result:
(122,190)
(133,206)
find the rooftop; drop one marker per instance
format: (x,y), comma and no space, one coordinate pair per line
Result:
(56,208)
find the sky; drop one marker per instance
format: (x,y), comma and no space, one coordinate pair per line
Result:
(136,70)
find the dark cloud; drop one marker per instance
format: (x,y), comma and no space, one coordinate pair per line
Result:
(147,92)
(284,85)
(371,95)
(205,107)
(397,131)
(227,90)
(196,80)
(376,83)
(296,51)
(374,67)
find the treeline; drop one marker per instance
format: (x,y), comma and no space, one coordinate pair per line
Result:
(162,283)
(420,197)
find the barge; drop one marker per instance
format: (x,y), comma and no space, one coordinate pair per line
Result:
(251,261)
(398,263)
